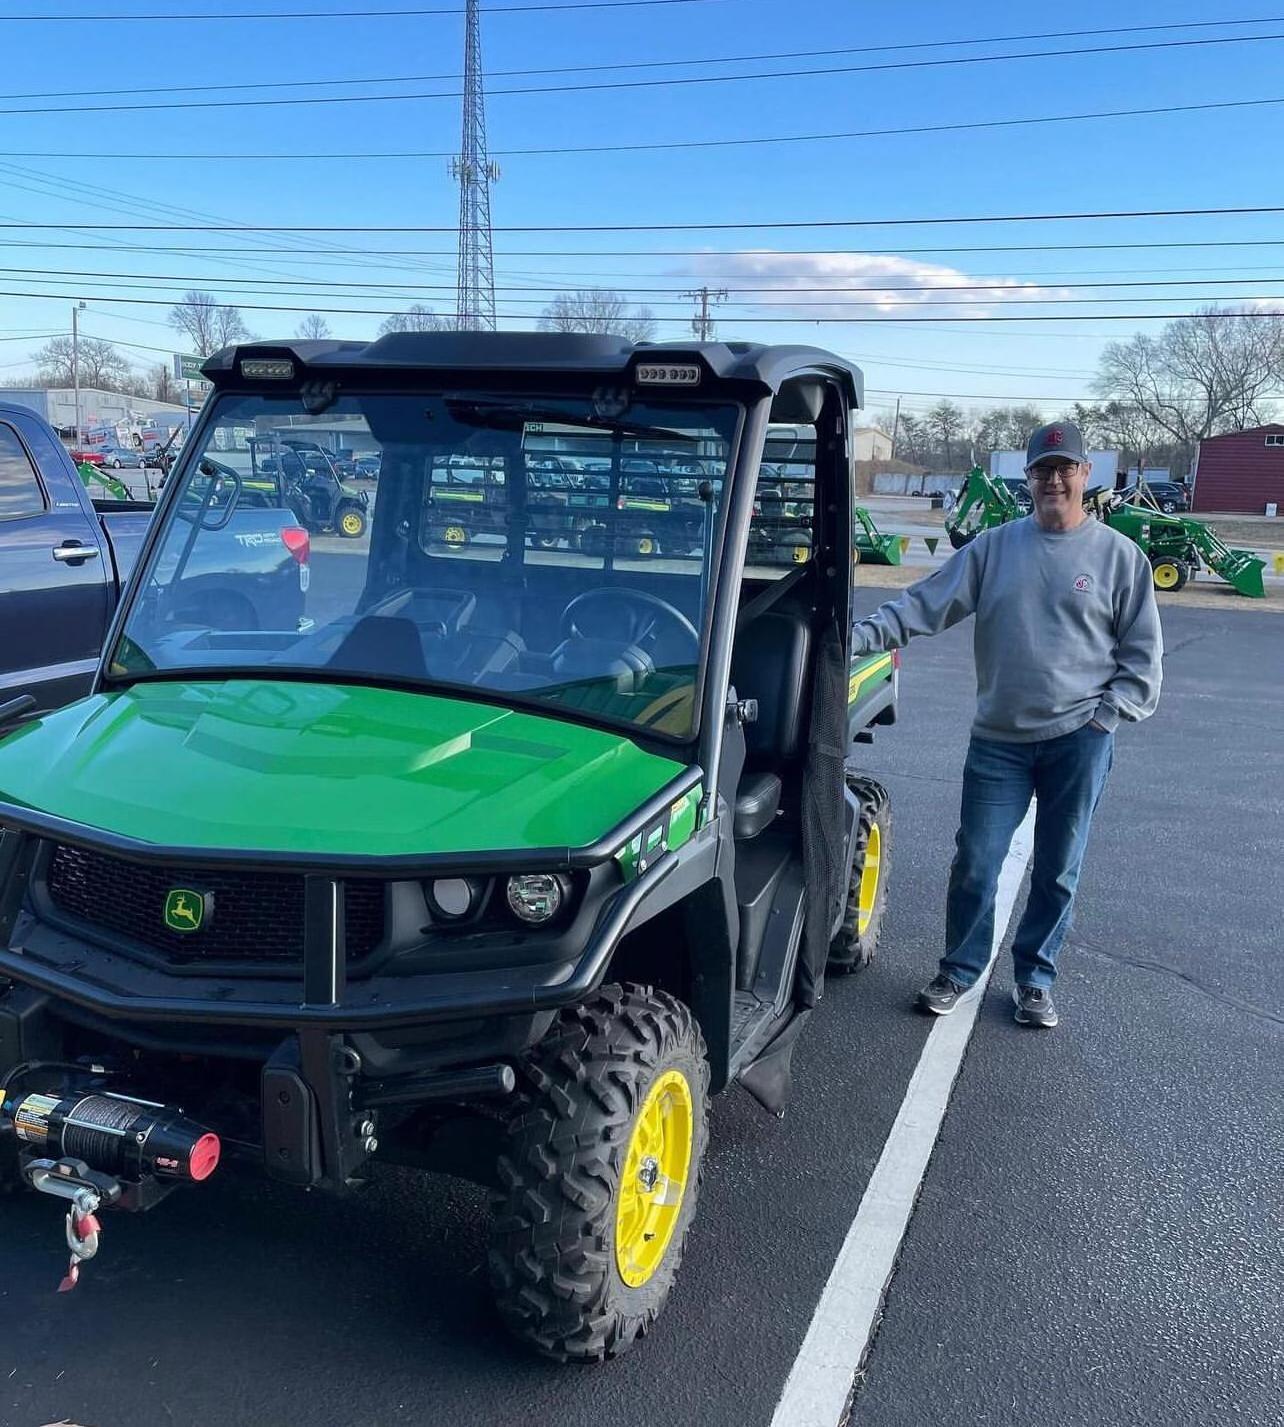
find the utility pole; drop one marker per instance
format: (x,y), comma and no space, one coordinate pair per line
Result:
(702,322)
(76,309)
(475,298)
(896,427)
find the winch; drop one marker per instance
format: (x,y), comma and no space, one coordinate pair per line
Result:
(103,1149)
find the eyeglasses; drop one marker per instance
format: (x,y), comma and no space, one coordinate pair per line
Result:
(1064,469)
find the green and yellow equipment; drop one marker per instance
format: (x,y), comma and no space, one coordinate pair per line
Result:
(1175,545)
(91,475)
(871,544)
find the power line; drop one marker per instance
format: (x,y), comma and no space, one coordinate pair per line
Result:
(792,224)
(597,67)
(557,150)
(192,250)
(358,14)
(793,321)
(1003,285)
(1008,297)
(671,82)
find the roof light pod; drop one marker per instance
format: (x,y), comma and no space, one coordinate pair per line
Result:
(267,369)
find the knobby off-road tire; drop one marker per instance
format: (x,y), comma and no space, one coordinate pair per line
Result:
(553,1259)
(857,939)
(1169,574)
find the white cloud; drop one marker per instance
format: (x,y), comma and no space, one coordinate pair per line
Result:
(887,282)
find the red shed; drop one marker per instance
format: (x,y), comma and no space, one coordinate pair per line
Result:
(1241,471)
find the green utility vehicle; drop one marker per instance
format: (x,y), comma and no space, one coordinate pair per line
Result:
(498,863)
(1175,545)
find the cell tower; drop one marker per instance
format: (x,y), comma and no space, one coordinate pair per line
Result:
(475,303)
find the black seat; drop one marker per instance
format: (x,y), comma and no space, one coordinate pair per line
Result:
(376,644)
(770,663)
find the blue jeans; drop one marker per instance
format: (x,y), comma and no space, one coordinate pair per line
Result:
(1067,775)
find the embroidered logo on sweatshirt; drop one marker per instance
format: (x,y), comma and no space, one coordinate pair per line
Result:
(1083,583)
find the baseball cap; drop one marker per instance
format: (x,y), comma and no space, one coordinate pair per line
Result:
(1058,438)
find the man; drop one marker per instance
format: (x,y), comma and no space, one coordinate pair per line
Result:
(1067,644)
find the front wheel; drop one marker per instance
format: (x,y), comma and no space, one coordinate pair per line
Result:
(1169,574)
(600,1174)
(352,522)
(857,939)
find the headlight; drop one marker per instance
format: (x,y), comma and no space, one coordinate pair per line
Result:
(536,897)
(452,898)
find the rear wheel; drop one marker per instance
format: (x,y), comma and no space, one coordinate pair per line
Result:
(453,535)
(1169,574)
(600,1174)
(857,938)
(352,522)
(798,544)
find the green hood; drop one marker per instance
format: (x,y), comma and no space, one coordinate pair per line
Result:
(298,767)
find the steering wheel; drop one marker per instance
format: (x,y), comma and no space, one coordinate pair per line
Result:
(645,613)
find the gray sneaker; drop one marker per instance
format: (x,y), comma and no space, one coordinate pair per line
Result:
(1034,1007)
(940,995)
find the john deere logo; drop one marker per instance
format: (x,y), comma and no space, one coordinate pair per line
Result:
(185,910)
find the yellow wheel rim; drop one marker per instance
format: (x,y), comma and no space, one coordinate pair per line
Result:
(646,546)
(351,523)
(1165,576)
(801,555)
(653,1184)
(869,875)
(455,535)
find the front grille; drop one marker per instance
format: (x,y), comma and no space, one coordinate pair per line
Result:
(254,916)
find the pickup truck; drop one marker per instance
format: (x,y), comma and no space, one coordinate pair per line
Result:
(65,556)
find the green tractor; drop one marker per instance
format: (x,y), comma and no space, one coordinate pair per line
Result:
(499,864)
(1175,545)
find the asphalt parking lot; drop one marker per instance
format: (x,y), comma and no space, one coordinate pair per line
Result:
(1097,1238)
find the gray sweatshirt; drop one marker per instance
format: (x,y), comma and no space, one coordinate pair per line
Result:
(1066,627)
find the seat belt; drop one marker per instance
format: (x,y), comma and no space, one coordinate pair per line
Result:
(774,592)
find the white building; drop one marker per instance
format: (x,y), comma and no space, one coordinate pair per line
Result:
(871,443)
(99,410)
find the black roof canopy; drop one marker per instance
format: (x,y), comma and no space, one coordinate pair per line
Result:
(588,354)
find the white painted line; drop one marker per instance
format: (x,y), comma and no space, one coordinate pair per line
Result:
(820,1380)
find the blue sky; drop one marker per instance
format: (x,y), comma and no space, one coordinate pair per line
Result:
(1209,159)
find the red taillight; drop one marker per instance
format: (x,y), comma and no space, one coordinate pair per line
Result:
(296,541)
(621,502)
(896,658)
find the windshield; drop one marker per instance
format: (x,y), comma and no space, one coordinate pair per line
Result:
(549,549)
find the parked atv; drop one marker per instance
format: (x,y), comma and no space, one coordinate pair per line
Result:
(307,476)
(501,865)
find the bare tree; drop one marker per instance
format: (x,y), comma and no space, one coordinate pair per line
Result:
(592,309)
(1003,428)
(101,365)
(417,318)
(208,323)
(913,441)
(313,328)
(945,422)
(163,388)
(1200,376)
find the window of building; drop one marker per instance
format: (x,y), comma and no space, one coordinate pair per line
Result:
(20,492)
(1275,440)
